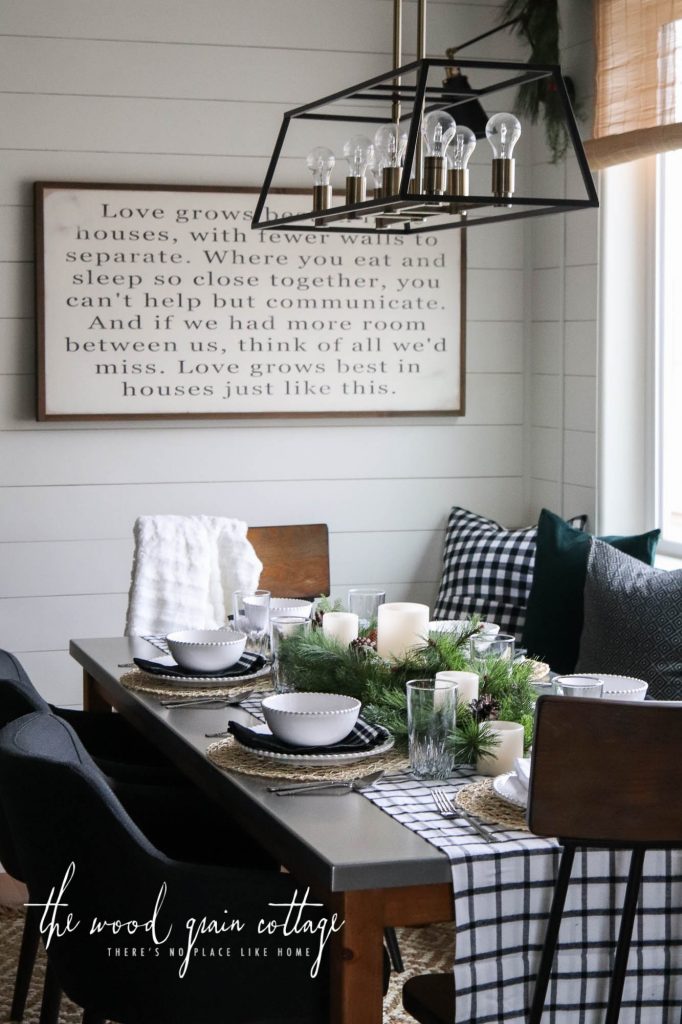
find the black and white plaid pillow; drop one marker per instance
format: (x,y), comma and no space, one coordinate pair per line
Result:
(488,570)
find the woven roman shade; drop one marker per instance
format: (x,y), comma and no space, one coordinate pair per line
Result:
(638,109)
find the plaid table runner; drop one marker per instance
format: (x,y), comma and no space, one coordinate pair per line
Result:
(502,898)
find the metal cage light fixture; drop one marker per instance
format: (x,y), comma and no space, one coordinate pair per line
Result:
(424,129)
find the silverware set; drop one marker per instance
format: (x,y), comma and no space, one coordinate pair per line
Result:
(206,702)
(353,786)
(447,809)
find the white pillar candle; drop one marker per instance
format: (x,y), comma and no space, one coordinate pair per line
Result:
(401,626)
(501,759)
(341,626)
(466,683)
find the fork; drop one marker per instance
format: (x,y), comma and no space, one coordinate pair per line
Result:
(447,809)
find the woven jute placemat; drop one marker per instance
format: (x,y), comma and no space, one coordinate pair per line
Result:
(231,757)
(137,680)
(481,800)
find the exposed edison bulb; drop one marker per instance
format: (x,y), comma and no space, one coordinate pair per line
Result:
(438,128)
(359,152)
(463,145)
(390,141)
(503,131)
(458,156)
(376,170)
(321,162)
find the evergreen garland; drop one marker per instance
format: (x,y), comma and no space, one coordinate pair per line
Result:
(319,663)
(538,23)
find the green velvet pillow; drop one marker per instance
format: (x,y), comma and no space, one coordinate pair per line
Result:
(554,617)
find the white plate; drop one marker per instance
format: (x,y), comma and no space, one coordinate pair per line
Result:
(458,626)
(219,682)
(508,792)
(314,759)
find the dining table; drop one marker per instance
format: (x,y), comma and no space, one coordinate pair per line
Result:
(364,865)
(389,856)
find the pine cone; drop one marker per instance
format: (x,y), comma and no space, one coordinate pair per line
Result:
(486,708)
(363,646)
(317,619)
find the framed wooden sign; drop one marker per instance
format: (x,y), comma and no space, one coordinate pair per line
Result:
(162,301)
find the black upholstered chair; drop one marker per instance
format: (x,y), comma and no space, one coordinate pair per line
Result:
(172,813)
(50,785)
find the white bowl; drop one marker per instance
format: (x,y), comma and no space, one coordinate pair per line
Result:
(290,606)
(618,687)
(459,625)
(310,719)
(206,650)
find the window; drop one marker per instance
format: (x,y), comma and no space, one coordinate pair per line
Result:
(669,352)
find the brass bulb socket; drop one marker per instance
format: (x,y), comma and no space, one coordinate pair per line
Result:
(378,192)
(391,180)
(503,177)
(435,175)
(356,192)
(458,185)
(322,197)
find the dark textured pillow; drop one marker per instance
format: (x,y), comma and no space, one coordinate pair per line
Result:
(554,619)
(487,570)
(633,621)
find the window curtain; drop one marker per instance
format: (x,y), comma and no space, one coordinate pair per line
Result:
(638,107)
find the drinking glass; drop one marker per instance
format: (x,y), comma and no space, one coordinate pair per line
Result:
(483,645)
(282,626)
(251,610)
(365,604)
(431,716)
(579,686)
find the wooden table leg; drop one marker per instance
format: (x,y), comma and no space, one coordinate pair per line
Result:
(92,697)
(357,959)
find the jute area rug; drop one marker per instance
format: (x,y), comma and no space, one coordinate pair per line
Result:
(425,950)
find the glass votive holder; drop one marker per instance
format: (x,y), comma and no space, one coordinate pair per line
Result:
(431,718)
(281,627)
(251,615)
(579,686)
(510,737)
(487,645)
(365,604)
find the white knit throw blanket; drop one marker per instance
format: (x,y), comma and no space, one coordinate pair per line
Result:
(185,570)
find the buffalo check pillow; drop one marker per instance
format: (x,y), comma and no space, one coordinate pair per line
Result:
(488,570)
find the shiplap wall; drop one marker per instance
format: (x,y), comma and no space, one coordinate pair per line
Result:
(562,364)
(193,94)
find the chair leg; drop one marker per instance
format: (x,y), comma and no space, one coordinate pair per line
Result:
(391,940)
(27,959)
(625,936)
(52,997)
(552,934)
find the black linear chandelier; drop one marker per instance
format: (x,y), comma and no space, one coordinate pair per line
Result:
(424,130)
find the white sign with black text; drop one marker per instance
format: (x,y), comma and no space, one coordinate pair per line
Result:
(165,302)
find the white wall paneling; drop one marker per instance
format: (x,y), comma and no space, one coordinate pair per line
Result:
(193,94)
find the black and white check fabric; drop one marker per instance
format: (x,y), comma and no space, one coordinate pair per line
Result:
(502,897)
(487,570)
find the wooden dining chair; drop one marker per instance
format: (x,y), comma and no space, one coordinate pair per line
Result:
(295,559)
(606,775)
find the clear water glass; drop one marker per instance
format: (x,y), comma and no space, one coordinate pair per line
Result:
(251,612)
(579,686)
(431,717)
(485,645)
(282,626)
(365,604)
